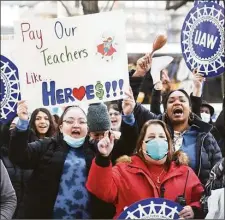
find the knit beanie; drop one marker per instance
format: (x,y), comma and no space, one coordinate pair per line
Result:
(98,118)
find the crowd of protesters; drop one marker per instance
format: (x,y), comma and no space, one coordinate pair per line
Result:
(92,165)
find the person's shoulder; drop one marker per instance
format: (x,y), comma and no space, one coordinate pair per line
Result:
(123,161)
(181,167)
(129,161)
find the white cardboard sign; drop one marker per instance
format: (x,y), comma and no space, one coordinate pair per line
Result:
(71,60)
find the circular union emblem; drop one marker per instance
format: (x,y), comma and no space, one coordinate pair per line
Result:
(10,90)
(202,39)
(152,208)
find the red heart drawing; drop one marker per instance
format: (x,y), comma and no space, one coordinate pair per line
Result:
(79,93)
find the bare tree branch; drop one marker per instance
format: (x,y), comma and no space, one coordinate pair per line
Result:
(112,5)
(77,3)
(67,10)
(107,4)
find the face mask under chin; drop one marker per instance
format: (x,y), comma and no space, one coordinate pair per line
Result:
(73,142)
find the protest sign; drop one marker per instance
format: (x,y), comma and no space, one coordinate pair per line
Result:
(202,39)
(158,64)
(152,208)
(10,89)
(72,60)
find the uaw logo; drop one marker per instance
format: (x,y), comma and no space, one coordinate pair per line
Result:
(152,208)
(202,39)
(10,90)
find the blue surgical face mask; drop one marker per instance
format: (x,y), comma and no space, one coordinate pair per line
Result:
(73,142)
(157,148)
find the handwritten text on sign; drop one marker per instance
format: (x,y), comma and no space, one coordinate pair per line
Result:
(70,60)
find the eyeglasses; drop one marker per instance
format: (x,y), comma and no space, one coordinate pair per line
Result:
(114,113)
(72,122)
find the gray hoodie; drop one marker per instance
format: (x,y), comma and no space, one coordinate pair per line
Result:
(8,196)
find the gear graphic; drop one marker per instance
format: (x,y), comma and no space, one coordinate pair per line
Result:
(152,208)
(202,18)
(10,90)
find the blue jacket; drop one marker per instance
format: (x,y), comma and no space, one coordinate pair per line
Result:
(207,150)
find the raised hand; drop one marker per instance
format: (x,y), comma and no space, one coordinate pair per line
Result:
(128,103)
(165,77)
(22,110)
(198,81)
(105,145)
(143,65)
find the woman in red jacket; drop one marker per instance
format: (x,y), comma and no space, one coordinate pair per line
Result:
(150,173)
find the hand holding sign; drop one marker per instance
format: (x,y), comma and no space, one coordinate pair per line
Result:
(198,81)
(22,110)
(165,77)
(105,145)
(187,213)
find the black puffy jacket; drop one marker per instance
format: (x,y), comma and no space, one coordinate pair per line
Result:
(46,157)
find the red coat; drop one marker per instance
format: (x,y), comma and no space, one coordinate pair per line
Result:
(126,183)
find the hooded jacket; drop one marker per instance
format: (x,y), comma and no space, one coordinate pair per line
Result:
(207,150)
(129,182)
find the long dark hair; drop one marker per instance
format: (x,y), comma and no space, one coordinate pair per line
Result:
(32,126)
(168,137)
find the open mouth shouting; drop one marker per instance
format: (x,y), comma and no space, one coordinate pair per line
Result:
(75,133)
(114,122)
(178,112)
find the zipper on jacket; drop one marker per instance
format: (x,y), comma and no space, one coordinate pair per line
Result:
(200,162)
